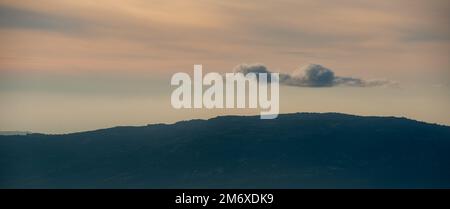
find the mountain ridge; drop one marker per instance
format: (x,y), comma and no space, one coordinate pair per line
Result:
(233,116)
(301,150)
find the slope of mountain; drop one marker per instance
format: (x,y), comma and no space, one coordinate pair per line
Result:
(304,150)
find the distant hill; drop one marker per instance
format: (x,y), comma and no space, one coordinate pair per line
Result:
(304,150)
(9,133)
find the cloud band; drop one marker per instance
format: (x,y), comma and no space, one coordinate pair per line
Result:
(313,75)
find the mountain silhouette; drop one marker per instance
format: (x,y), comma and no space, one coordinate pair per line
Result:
(302,150)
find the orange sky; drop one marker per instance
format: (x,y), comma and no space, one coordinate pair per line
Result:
(64,61)
(374,38)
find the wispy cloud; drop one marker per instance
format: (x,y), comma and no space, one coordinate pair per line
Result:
(171,35)
(19,18)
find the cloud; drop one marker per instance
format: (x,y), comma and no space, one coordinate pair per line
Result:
(251,68)
(313,75)
(11,17)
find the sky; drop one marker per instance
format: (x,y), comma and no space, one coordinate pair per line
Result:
(70,66)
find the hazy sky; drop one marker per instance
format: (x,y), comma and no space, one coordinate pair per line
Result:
(80,65)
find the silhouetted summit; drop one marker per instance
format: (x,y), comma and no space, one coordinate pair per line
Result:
(304,150)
